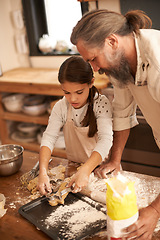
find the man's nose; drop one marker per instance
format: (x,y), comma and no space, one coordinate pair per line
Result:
(95,67)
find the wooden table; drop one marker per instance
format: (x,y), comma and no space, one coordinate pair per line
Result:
(39,80)
(12,225)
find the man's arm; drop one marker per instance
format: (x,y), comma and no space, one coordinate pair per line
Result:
(119,142)
(156,205)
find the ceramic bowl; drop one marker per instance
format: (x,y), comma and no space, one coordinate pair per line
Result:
(33,100)
(11,158)
(35,110)
(28,127)
(14,102)
(23,136)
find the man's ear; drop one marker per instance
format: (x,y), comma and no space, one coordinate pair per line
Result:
(112,41)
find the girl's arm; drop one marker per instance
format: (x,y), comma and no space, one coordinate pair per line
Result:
(55,123)
(81,178)
(43,179)
(49,138)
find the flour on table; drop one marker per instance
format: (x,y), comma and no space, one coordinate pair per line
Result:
(146,191)
(76,218)
(19,200)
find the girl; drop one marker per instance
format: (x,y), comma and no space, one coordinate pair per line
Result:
(86,118)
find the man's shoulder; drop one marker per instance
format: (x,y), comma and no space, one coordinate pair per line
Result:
(150,36)
(149,42)
(149,32)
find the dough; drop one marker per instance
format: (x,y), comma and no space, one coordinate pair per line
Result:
(57,201)
(55,174)
(2,203)
(32,186)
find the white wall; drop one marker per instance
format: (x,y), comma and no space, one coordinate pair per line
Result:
(9,56)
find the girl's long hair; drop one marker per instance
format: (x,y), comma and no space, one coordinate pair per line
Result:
(76,70)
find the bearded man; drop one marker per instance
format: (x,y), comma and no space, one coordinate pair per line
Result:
(128,52)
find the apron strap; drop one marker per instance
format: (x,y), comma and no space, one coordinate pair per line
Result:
(69,113)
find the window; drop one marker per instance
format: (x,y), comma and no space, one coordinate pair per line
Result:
(54,18)
(62,16)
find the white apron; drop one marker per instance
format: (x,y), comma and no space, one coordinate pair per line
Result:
(79,146)
(149,107)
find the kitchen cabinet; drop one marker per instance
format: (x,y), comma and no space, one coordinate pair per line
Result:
(39,81)
(141,154)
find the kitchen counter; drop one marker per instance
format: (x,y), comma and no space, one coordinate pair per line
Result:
(39,80)
(12,225)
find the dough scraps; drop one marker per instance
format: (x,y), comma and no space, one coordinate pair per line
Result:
(60,200)
(2,203)
(56,175)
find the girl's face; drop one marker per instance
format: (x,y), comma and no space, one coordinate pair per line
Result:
(76,93)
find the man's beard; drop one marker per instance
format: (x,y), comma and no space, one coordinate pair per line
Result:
(120,73)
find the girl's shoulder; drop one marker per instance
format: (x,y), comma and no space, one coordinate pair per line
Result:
(101,100)
(102,105)
(61,103)
(61,106)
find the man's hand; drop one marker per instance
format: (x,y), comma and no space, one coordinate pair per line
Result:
(143,228)
(115,155)
(106,168)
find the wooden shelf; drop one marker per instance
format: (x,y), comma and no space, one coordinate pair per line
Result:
(21,117)
(32,81)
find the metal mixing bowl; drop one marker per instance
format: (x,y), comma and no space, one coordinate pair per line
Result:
(11,158)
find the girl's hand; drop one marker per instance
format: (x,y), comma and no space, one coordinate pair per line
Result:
(44,185)
(79,180)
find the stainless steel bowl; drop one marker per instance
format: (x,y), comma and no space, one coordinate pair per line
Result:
(11,158)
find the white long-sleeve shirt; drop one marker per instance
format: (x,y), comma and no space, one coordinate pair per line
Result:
(103,113)
(146,91)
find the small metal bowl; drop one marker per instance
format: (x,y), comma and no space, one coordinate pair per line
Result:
(11,158)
